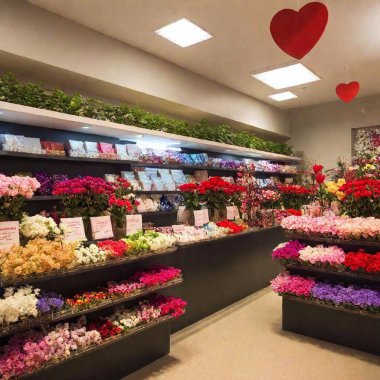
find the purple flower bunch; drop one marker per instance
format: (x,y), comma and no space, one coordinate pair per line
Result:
(350,296)
(288,251)
(363,297)
(49,302)
(48,181)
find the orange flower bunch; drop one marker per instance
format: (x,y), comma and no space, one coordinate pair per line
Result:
(38,256)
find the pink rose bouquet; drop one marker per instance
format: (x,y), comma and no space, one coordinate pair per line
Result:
(296,285)
(13,192)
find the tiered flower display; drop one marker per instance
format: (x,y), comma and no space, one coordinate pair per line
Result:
(352,296)
(32,350)
(13,192)
(334,227)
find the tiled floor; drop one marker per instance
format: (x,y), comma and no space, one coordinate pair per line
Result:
(245,341)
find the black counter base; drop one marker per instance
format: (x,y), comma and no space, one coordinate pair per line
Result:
(348,329)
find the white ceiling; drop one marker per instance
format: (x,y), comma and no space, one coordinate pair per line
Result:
(242,42)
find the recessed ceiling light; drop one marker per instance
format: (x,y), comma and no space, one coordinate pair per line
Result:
(183,33)
(288,76)
(86,127)
(283,96)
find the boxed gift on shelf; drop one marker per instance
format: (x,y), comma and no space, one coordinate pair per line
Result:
(53,148)
(16,143)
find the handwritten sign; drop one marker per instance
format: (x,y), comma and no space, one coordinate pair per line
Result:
(178,228)
(74,229)
(200,217)
(9,234)
(232,212)
(134,223)
(101,227)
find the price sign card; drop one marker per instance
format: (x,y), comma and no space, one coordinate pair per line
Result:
(74,229)
(232,212)
(101,227)
(205,216)
(178,228)
(182,214)
(9,234)
(200,217)
(134,223)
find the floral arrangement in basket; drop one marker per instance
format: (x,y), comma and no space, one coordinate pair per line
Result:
(13,193)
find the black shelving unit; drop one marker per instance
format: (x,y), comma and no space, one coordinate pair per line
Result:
(357,329)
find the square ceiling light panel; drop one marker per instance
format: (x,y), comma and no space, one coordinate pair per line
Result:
(283,96)
(183,33)
(288,76)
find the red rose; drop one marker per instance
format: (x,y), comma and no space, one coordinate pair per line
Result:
(317,168)
(320,178)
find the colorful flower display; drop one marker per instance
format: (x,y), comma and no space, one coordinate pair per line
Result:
(288,251)
(362,262)
(361,198)
(295,196)
(334,227)
(231,226)
(319,254)
(114,248)
(13,192)
(90,254)
(38,256)
(352,296)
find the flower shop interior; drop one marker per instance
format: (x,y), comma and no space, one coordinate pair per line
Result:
(189,189)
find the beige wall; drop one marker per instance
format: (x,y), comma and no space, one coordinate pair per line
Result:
(323,131)
(38,35)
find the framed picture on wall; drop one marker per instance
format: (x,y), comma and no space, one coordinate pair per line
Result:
(365,141)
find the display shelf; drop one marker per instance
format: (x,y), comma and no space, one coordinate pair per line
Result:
(340,275)
(131,163)
(101,346)
(21,280)
(20,114)
(363,313)
(68,314)
(335,241)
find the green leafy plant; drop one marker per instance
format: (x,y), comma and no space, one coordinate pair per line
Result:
(36,95)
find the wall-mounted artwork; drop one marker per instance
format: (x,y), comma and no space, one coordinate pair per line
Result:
(366,141)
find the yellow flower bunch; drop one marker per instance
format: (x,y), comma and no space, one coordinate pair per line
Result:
(369,167)
(38,256)
(333,187)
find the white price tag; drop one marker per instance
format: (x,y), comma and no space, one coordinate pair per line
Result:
(232,212)
(9,234)
(74,229)
(134,223)
(101,227)
(178,228)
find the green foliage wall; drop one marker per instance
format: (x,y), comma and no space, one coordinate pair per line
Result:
(36,95)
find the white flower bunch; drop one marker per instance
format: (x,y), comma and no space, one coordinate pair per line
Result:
(90,254)
(161,242)
(18,303)
(214,231)
(39,226)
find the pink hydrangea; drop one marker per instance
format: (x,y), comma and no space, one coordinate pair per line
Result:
(320,254)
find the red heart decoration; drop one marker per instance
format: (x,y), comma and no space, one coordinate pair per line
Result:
(296,33)
(347,91)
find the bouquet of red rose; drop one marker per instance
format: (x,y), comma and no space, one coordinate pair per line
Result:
(85,197)
(191,196)
(122,202)
(361,198)
(294,196)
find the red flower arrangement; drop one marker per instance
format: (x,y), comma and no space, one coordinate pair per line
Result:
(106,328)
(114,248)
(86,299)
(294,196)
(233,227)
(363,262)
(86,197)
(317,169)
(361,198)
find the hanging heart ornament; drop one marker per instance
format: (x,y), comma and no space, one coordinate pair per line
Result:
(296,33)
(347,91)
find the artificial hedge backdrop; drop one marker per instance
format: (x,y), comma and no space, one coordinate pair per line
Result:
(38,96)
